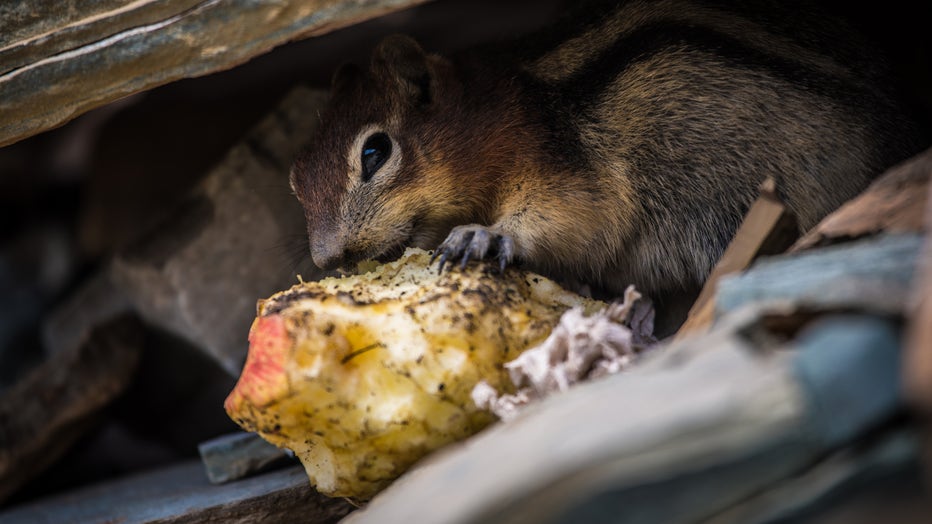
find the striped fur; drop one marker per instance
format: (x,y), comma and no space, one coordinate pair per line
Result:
(624,146)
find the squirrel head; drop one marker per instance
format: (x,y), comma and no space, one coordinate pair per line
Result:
(377,175)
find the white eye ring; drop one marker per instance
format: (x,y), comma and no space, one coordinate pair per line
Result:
(376,150)
(291,176)
(354,156)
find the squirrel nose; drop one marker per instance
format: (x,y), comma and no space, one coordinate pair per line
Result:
(327,255)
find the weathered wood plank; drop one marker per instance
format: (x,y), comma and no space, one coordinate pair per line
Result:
(52,69)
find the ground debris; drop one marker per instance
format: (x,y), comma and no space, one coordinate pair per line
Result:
(579,348)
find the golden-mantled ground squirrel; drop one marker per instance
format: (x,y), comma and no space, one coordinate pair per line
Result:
(623,147)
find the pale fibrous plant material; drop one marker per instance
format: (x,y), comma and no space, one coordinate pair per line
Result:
(580,348)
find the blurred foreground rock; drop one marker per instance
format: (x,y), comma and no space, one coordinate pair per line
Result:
(710,425)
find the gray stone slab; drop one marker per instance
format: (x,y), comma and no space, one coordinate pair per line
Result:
(238,455)
(199,272)
(95,302)
(58,60)
(182,494)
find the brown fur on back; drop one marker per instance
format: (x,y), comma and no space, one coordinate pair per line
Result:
(623,149)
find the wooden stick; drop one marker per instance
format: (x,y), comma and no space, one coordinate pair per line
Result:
(768,228)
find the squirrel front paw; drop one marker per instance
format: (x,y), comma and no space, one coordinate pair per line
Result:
(475,242)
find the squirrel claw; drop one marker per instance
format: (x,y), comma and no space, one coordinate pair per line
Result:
(443,260)
(506,252)
(474,242)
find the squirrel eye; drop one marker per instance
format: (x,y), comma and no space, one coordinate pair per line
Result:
(375,152)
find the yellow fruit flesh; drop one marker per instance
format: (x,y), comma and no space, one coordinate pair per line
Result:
(362,376)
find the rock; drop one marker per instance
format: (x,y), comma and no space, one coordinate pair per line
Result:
(238,455)
(97,301)
(42,415)
(198,273)
(181,494)
(58,61)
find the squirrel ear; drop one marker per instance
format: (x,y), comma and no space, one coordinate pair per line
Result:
(401,60)
(346,76)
